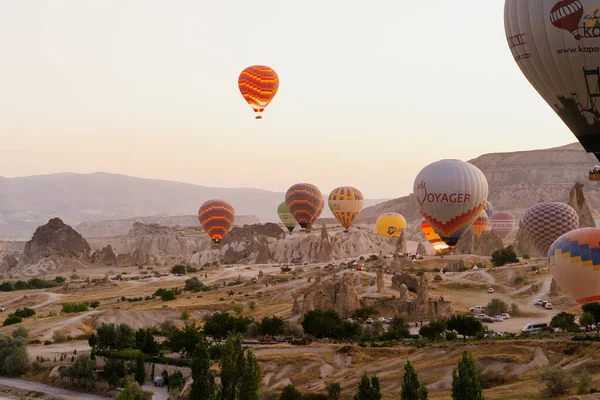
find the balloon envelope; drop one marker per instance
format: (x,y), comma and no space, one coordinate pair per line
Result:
(390,225)
(450,194)
(286,217)
(481,223)
(346,203)
(575,264)
(488,208)
(305,203)
(258,84)
(502,223)
(216,217)
(545,222)
(555,44)
(432,237)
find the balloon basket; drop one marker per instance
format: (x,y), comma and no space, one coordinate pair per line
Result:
(258,117)
(594,176)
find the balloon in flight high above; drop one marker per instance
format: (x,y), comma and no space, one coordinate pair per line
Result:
(555,44)
(287,219)
(346,203)
(305,203)
(481,223)
(258,84)
(433,238)
(575,264)
(390,225)
(545,222)
(502,223)
(450,194)
(216,217)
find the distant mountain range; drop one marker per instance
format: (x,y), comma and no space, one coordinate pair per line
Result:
(28,202)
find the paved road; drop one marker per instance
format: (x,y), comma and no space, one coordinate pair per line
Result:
(39,387)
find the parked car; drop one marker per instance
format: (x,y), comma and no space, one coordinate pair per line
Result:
(420,256)
(494,334)
(1,309)
(381,319)
(387,321)
(488,319)
(481,316)
(477,309)
(538,302)
(548,306)
(534,327)
(505,315)
(491,290)
(498,318)
(369,320)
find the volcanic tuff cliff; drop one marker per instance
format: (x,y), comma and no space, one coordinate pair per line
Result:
(55,239)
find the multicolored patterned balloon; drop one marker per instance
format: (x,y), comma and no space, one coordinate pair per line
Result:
(481,223)
(216,217)
(286,217)
(545,222)
(346,203)
(432,237)
(502,222)
(258,84)
(575,264)
(390,225)
(488,208)
(305,203)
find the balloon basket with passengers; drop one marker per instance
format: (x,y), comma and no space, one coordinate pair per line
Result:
(594,174)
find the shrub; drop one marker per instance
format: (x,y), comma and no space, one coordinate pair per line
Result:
(68,308)
(192,284)
(11,320)
(178,270)
(59,337)
(437,277)
(584,381)
(496,306)
(557,381)
(492,378)
(526,256)
(24,312)
(504,256)
(365,312)
(95,304)
(534,268)
(451,335)
(519,280)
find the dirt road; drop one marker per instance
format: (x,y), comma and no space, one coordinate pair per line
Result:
(38,387)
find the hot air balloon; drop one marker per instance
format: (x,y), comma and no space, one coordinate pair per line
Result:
(390,225)
(346,203)
(502,223)
(305,203)
(258,84)
(433,238)
(488,208)
(286,217)
(556,46)
(545,222)
(450,194)
(575,264)
(481,223)
(216,217)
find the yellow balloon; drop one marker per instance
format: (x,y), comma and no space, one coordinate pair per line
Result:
(390,225)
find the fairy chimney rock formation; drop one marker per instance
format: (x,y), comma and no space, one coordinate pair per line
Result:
(325,250)
(423,291)
(487,243)
(466,243)
(401,244)
(106,256)
(554,288)
(405,279)
(421,249)
(296,307)
(56,239)
(403,292)
(380,281)
(578,202)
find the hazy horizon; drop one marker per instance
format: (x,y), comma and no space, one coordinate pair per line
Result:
(368,95)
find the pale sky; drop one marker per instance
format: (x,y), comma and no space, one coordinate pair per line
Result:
(370,92)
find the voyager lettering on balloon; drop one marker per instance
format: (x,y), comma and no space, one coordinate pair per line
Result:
(516,40)
(445,198)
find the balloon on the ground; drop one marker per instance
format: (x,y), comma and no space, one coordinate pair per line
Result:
(433,238)
(287,219)
(575,264)
(390,225)
(258,84)
(216,217)
(450,194)
(488,208)
(481,223)
(346,203)
(545,222)
(555,44)
(502,223)
(305,203)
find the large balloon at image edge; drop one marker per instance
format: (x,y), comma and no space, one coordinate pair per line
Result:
(575,264)
(432,237)
(345,203)
(502,223)
(216,217)
(258,85)
(555,44)
(305,203)
(390,225)
(287,219)
(450,194)
(545,222)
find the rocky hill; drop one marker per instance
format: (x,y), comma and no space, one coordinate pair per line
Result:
(516,181)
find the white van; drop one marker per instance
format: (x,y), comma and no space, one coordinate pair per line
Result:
(534,327)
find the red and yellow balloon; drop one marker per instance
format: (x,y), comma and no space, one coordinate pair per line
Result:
(305,202)
(346,203)
(258,84)
(216,217)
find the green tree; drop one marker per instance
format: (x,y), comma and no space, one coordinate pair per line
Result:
(133,391)
(221,324)
(564,321)
(81,372)
(290,392)
(465,325)
(232,367)
(203,385)
(433,330)
(586,319)
(365,312)
(504,256)
(334,391)
(250,381)
(496,307)
(184,340)
(412,388)
(176,382)
(368,389)
(398,329)
(93,340)
(594,309)
(271,325)
(140,369)
(178,269)
(192,284)
(465,381)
